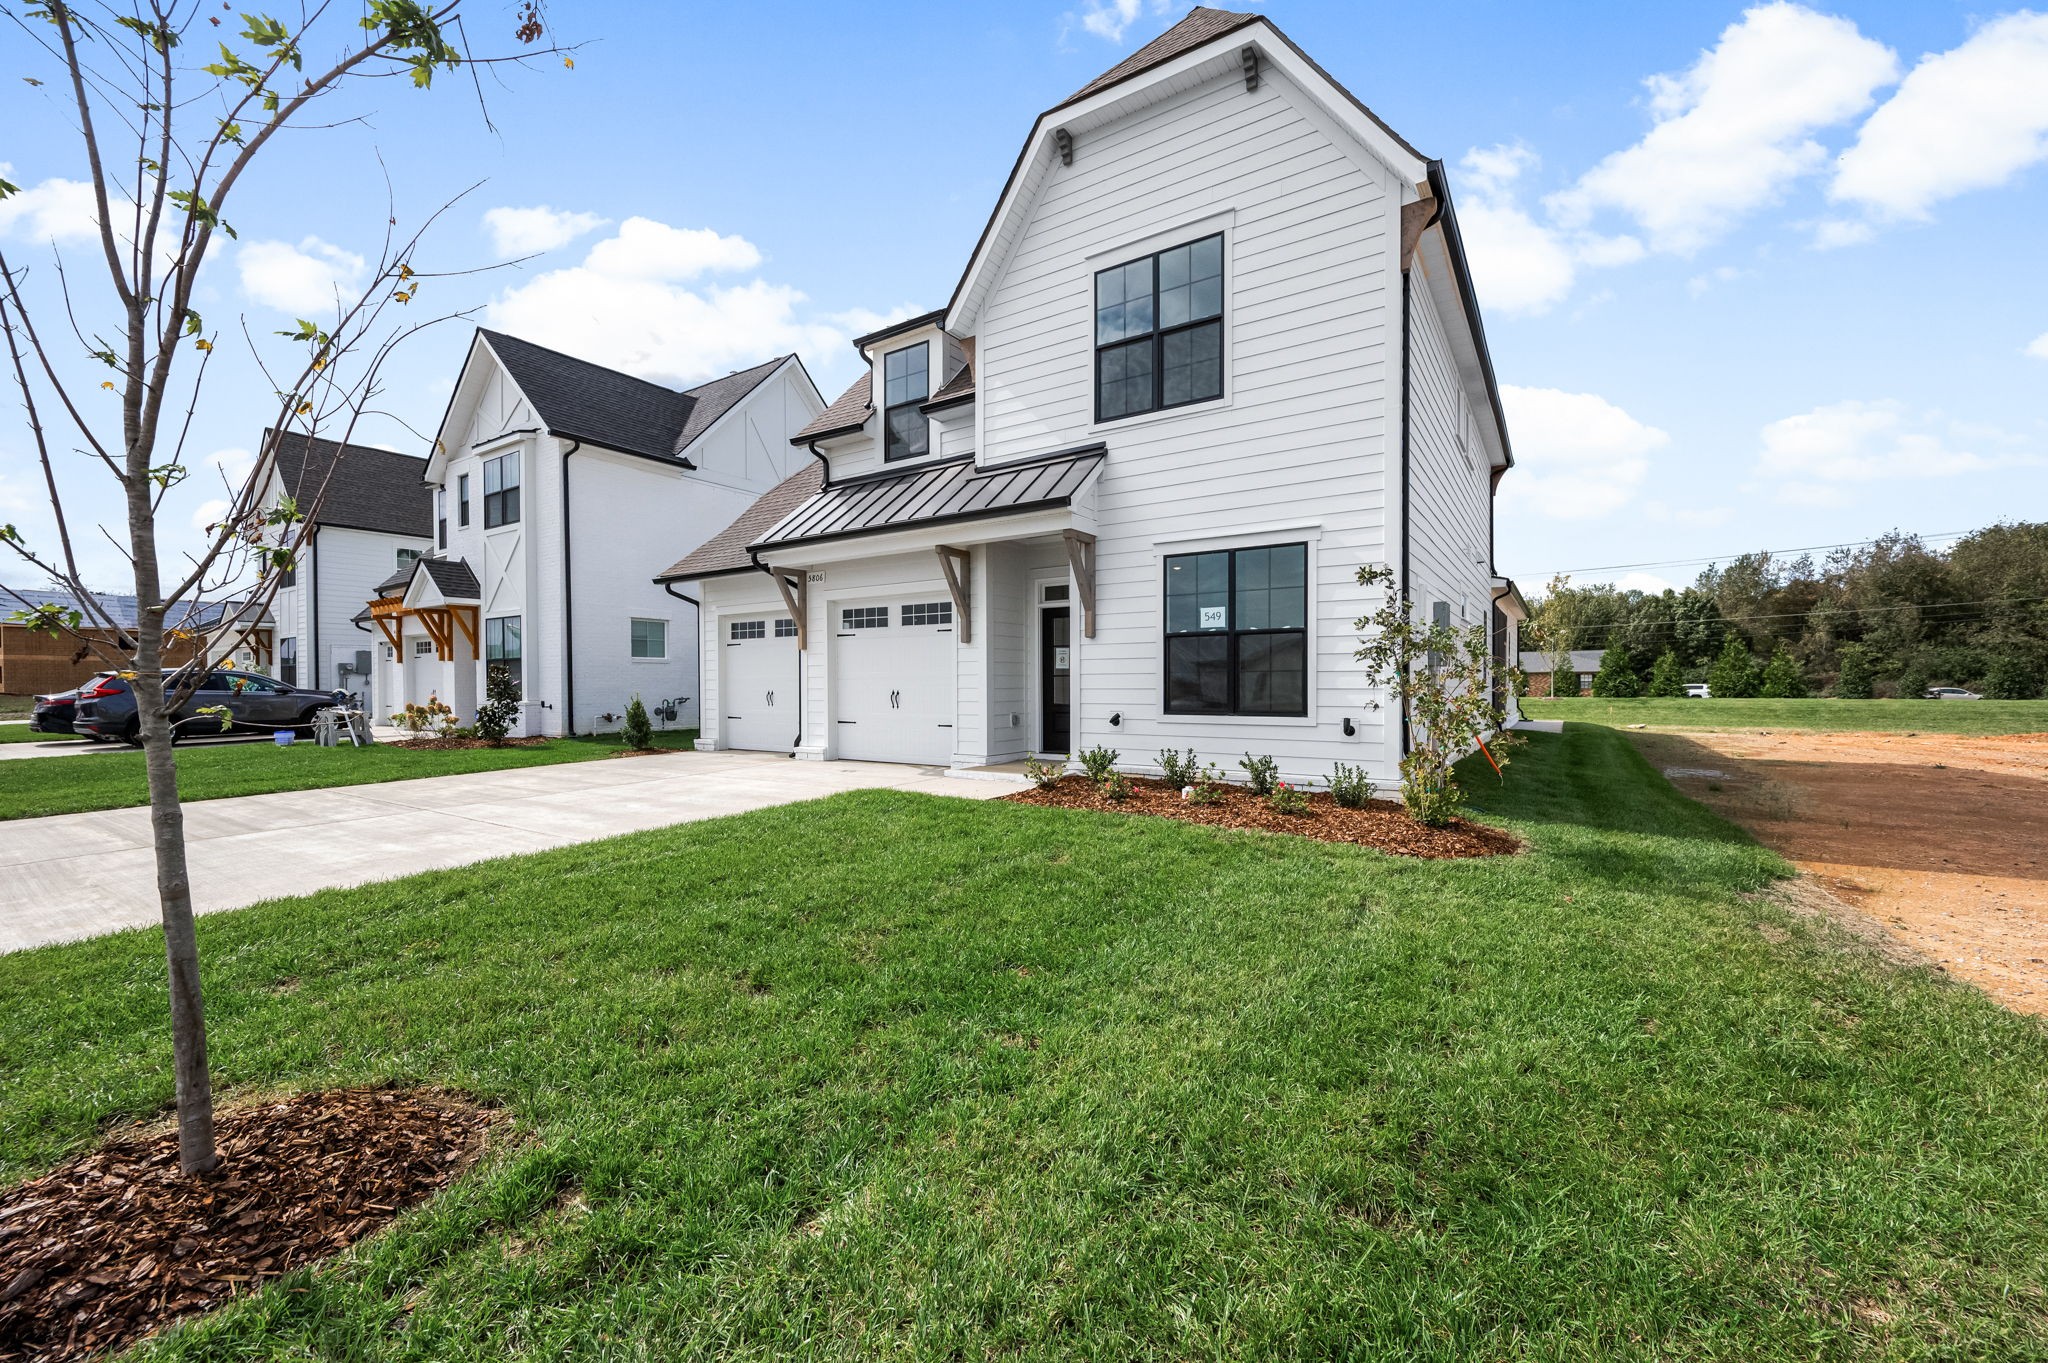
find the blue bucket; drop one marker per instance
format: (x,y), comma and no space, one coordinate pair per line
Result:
(283,738)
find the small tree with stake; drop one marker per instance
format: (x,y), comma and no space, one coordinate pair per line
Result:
(194,128)
(1438,675)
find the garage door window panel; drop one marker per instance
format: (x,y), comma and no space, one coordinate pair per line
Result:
(1237,632)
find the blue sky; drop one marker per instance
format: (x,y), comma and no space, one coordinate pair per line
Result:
(1760,277)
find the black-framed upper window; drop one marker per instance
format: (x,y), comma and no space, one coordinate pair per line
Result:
(1159,331)
(501,491)
(503,647)
(906,382)
(440,518)
(288,661)
(1237,632)
(462,499)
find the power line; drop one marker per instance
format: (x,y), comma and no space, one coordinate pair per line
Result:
(1719,558)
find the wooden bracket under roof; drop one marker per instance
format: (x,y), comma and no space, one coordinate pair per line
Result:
(1081,558)
(958,564)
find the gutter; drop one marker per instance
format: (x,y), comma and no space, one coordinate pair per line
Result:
(812,446)
(568,608)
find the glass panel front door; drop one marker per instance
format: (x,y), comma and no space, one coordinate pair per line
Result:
(1055,682)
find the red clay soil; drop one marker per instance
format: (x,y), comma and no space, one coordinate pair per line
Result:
(1381,824)
(116,1244)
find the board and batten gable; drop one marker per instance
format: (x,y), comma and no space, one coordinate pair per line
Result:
(1300,447)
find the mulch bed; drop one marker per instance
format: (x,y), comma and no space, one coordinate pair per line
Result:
(118,1243)
(464,744)
(1381,824)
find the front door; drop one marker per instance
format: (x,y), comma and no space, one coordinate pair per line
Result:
(1055,682)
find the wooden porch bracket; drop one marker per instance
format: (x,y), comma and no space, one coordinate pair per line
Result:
(465,617)
(958,565)
(795,586)
(1081,558)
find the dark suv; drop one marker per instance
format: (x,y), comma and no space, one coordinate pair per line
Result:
(254,702)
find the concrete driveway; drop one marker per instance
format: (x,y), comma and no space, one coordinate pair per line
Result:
(81,875)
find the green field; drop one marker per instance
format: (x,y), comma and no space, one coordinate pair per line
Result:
(21,733)
(1841,716)
(889,1075)
(33,787)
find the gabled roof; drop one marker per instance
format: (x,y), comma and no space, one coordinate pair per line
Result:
(951,490)
(1200,26)
(848,413)
(578,400)
(726,551)
(452,578)
(961,385)
(364,488)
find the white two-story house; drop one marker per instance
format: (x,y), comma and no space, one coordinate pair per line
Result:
(557,489)
(1216,349)
(368,514)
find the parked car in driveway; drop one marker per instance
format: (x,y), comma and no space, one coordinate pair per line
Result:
(1951,693)
(254,702)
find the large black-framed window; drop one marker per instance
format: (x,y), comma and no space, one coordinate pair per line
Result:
(1159,331)
(501,491)
(1237,631)
(906,382)
(504,647)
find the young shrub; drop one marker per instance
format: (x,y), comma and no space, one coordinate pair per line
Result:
(1288,799)
(2011,677)
(1667,677)
(1180,770)
(1350,786)
(1044,775)
(1440,676)
(1857,680)
(1207,786)
(1616,680)
(638,731)
(1099,762)
(1260,773)
(1115,786)
(1782,679)
(1734,674)
(500,710)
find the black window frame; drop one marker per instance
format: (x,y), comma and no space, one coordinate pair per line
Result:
(501,506)
(288,660)
(1233,634)
(1158,334)
(462,499)
(739,631)
(440,518)
(890,454)
(494,648)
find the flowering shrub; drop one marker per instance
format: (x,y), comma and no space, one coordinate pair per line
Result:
(1115,786)
(1044,775)
(417,720)
(1288,799)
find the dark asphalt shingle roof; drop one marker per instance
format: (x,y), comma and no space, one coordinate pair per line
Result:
(726,551)
(578,400)
(848,412)
(960,385)
(364,488)
(396,583)
(954,490)
(452,577)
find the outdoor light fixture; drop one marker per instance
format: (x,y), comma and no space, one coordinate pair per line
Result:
(1116,720)
(1350,729)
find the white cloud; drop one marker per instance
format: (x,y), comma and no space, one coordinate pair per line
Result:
(1969,118)
(1735,128)
(526,231)
(1832,234)
(1578,455)
(1699,284)
(1519,264)
(305,280)
(55,210)
(1850,442)
(1109,19)
(633,304)
(2039,348)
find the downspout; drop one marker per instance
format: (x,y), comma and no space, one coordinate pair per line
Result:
(1407,368)
(313,601)
(691,602)
(568,606)
(813,448)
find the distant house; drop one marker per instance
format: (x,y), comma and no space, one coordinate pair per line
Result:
(1585,663)
(33,662)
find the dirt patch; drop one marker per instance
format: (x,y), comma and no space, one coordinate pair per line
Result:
(1940,838)
(118,1243)
(464,744)
(1381,824)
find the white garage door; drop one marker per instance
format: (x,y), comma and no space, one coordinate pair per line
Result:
(892,681)
(757,690)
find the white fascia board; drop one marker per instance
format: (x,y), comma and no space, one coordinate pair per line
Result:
(1442,282)
(468,380)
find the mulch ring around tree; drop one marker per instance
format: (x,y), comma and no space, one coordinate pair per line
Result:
(117,1243)
(1381,824)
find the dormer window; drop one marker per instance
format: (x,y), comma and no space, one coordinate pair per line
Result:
(906,382)
(1159,331)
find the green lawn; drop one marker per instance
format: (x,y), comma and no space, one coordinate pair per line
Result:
(1846,716)
(16,707)
(68,785)
(891,1075)
(21,733)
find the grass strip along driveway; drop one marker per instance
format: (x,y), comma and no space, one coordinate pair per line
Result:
(1836,716)
(116,780)
(892,1074)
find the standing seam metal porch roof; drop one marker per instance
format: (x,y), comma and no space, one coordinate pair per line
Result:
(954,490)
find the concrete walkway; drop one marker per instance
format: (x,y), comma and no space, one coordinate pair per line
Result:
(80,875)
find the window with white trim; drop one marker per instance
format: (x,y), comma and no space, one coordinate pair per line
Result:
(650,639)
(1237,632)
(749,629)
(864,617)
(422,647)
(928,613)
(906,383)
(1159,331)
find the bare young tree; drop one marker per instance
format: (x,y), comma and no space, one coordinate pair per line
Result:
(167,137)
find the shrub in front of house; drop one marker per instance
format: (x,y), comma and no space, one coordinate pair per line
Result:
(638,731)
(1180,769)
(1260,773)
(1099,762)
(1350,786)
(1044,775)
(500,710)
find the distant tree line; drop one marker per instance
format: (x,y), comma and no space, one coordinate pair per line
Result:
(1890,618)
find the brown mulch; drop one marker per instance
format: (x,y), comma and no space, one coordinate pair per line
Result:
(463,744)
(1381,824)
(118,1243)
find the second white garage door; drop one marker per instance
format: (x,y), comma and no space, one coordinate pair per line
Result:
(757,689)
(892,681)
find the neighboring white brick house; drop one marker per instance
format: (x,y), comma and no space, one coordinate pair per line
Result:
(1216,349)
(565,598)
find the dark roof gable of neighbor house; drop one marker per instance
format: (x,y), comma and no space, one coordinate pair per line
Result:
(848,412)
(726,551)
(365,488)
(578,400)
